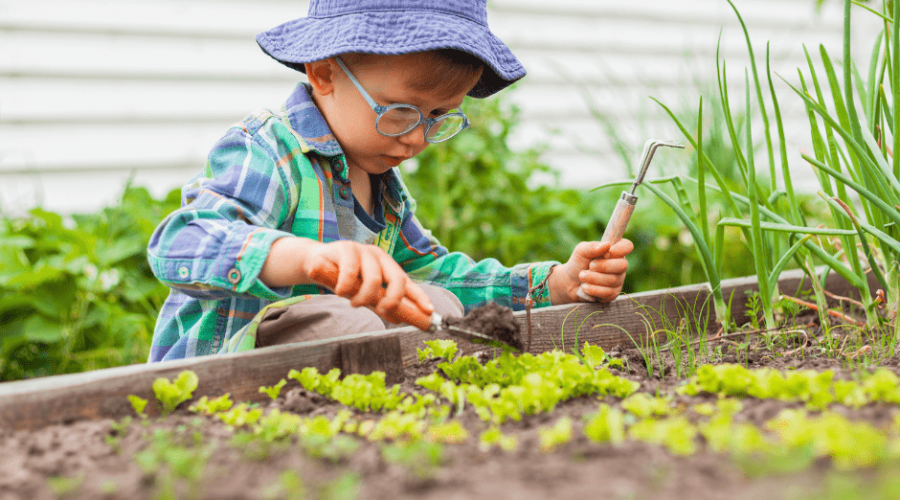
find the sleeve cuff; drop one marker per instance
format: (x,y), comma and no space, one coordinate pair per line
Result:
(238,269)
(526,276)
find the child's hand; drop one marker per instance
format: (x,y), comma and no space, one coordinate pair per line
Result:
(598,266)
(365,274)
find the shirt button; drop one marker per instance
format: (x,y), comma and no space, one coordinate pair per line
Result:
(183,272)
(234,276)
(345,192)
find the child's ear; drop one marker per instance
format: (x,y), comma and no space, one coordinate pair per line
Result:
(321,76)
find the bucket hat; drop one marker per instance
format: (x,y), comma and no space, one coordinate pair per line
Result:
(391,27)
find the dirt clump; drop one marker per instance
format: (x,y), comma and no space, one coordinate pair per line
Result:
(493,320)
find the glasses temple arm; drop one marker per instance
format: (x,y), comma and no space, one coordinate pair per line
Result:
(359,86)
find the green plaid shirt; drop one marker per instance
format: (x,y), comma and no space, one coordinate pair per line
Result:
(273,175)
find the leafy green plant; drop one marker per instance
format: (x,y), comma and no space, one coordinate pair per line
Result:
(169,461)
(642,405)
(418,457)
(208,406)
(290,486)
(240,415)
(606,426)
(676,434)
(493,437)
(171,394)
(555,436)
(63,486)
(438,348)
(76,292)
(275,390)
(138,404)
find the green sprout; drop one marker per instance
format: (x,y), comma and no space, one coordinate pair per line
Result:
(275,390)
(138,404)
(557,435)
(172,394)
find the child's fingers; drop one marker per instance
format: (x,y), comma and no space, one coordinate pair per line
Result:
(410,290)
(608,280)
(620,249)
(396,286)
(603,293)
(348,272)
(609,266)
(372,279)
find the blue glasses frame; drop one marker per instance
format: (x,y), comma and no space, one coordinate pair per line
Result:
(381,110)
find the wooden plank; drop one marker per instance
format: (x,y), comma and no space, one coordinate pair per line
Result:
(103,393)
(381,353)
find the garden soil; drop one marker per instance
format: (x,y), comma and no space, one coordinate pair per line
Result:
(76,461)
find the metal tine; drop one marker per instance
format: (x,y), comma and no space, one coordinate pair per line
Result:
(647,156)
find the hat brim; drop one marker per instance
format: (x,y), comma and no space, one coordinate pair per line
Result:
(309,39)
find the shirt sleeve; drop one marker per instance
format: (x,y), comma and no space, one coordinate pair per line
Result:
(215,245)
(475,283)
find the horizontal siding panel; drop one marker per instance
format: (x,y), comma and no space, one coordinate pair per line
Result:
(87,85)
(43,100)
(222,20)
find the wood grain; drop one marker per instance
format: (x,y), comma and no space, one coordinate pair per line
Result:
(633,318)
(379,353)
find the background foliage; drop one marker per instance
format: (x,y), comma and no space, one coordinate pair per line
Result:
(76,292)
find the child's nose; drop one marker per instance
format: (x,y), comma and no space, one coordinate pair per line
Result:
(415,137)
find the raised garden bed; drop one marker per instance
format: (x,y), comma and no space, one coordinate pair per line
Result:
(70,436)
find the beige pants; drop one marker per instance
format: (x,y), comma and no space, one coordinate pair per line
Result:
(330,316)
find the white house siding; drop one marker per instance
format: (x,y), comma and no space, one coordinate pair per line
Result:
(96,92)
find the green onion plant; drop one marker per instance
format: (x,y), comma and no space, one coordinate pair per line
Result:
(852,124)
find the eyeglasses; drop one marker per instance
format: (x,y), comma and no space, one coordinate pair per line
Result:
(398,119)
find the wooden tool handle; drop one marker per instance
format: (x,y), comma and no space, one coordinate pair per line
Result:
(408,310)
(613,233)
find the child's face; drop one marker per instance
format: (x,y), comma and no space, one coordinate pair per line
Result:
(388,80)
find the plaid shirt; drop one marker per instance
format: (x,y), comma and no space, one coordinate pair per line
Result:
(273,175)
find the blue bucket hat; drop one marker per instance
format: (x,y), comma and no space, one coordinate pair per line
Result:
(391,27)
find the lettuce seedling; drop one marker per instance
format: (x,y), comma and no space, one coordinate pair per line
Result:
(275,390)
(558,435)
(451,432)
(139,404)
(311,380)
(240,415)
(493,437)
(676,434)
(208,406)
(170,394)
(643,405)
(443,348)
(418,457)
(607,425)
(593,355)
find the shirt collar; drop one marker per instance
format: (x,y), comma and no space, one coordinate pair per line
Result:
(308,122)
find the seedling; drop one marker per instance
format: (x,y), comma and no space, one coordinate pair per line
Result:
(208,406)
(438,348)
(451,432)
(170,394)
(676,434)
(418,457)
(289,487)
(494,437)
(275,390)
(138,404)
(607,425)
(63,486)
(556,436)
(642,405)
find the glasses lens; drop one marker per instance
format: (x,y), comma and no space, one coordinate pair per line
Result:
(398,120)
(445,128)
